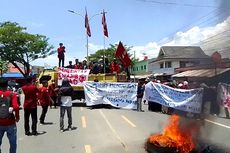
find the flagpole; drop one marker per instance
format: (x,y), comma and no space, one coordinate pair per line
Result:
(87,34)
(87,41)
(87,49)
(134,66)
(104,55)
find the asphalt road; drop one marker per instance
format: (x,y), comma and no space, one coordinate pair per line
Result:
(105,130)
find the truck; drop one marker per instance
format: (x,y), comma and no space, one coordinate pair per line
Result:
(52,74)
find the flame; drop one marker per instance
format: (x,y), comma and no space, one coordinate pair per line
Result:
(175,135)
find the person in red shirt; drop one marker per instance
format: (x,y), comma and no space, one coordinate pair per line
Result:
(61,55)
(114,67)
(53,94)
(44,100)
(8,124)
(30,106)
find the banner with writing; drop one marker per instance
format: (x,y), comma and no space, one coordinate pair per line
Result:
(121,95)
(223,94)
(76,76)
(181,99)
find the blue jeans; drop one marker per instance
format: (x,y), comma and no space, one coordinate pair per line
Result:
(11,132)
(64,109)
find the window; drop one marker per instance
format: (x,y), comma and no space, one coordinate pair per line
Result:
(144,67)
(161,65)
(137,69)
(168,64)
(133,68)
(182,64)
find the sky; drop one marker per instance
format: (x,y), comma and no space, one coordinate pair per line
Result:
(144,25)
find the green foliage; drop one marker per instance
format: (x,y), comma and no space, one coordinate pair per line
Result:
(109,53)
(3,66)
(18,46)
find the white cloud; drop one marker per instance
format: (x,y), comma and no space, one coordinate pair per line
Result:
(52,61)
(214,38)
(210,39)
(93,48)
(151,49)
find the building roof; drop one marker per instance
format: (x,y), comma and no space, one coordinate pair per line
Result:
(201,73)
(12,75)
(181,52)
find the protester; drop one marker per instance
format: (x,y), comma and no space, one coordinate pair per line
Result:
(9,115)
(53,94)
(84,65)
(30,106)
(114,67)
(76,65)
(95,68)
(44,100)
(140,93)
(70,66)
(65,99)
(61,55)
(152,106)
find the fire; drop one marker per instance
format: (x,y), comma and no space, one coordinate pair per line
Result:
(175,135)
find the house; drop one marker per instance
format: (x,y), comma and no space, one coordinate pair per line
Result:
(209,76)
(140,69)
(172,57)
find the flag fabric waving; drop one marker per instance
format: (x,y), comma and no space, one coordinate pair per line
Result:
(104,25)
(87,25)
(122,55)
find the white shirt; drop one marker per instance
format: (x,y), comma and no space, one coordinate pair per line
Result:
(66,101)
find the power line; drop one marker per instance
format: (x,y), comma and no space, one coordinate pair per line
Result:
(171,35)
(218,34)
(178,4)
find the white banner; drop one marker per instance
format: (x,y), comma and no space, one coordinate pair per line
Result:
(223,94)
(76,76)
(185,100)
(121,95)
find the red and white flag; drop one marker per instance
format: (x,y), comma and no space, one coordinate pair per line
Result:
(104,25)
(87,25)
(123,55)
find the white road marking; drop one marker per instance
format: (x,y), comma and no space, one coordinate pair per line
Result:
(114,132)
(83,121)
(127,120)
(88,149)
(228,127)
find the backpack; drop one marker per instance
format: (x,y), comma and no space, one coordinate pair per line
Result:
(5,103)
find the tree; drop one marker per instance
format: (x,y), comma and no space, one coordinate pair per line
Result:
(19,47)
(109,53)
(3,67)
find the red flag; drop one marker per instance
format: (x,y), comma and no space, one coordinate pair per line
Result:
(122,55)
(87,25)
(104,25)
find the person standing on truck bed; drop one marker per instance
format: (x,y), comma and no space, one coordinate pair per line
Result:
(61,55)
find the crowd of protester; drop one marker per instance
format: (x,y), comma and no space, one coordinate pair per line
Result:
(209,98)
(96,67)
(34,96)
